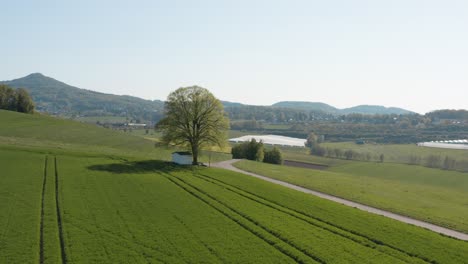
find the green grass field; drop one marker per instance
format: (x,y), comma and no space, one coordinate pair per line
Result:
(237,133)
(303,155)
(402,153)
(139,211)
(102,119)
(432,195)
(277,126)
(62,205)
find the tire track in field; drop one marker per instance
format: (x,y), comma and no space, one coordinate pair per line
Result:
(207,246)
(374,244)
(59,215)
(269,241)
(41,225)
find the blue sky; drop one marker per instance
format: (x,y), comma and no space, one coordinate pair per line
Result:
(411,54)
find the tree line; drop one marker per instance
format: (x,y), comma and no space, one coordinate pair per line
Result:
(430,161)
(15,99)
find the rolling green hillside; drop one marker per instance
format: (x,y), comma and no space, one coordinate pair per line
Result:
(50,132)
(54,135)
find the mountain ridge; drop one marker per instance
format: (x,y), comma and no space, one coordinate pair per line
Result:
(56,97)
(358,109)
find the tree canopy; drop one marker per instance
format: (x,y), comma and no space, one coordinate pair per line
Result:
(193,118)
(15,100)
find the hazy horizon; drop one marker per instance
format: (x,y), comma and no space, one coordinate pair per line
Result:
(403,54)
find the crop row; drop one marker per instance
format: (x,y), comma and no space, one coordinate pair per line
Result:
(388,234)
(310,239)
(328,226)
(143,217)
(265,234)
(21,180)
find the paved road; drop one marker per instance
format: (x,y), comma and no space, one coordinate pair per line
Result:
(442,230)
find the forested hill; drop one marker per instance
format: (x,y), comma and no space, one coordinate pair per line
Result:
(59,98)
(360,109)
(56,97)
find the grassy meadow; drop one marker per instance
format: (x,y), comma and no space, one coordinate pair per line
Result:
(66,200)
(405,153)
(102,119)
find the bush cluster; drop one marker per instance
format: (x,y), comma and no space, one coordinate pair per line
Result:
(15,100)
(253,150)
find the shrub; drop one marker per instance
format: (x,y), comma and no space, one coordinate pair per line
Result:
(273,156)
(381,157)
(414,160)
(350,154)
(316,149)
(251,150)
(433,161)
(449,163)
(238,151)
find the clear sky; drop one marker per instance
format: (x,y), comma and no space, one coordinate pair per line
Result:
(405,53)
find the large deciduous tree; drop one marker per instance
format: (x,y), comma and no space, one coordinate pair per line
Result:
(193,118)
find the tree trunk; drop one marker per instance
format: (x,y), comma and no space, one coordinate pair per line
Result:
(195,155)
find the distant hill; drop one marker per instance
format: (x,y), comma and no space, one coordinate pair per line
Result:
(59,98)
(360,109)
(308,106)
(375,109)
(231,104)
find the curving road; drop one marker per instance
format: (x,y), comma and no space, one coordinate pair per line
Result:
(442,230)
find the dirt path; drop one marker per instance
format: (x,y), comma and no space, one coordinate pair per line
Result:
(442,230)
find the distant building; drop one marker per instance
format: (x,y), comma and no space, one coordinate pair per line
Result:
(360,141)
(182,158)
(135,125)
(272,140)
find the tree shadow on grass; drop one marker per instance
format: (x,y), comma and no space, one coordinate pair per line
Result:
(145,166)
